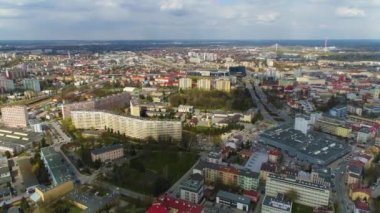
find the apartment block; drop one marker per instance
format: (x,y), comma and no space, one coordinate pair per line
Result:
(7,85)
(185,83)
(230,175)
(333,127)
(233,200)
(223,85)
(112,152)
(278,204)
(309,193)
(204,84)
(15,116)
(192,188)
(134,127)
(31,84)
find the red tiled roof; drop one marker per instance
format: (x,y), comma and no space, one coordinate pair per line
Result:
(361,205)
(164,204)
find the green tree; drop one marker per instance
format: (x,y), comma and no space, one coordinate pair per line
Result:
(24,205)
(8,154)
(291,195)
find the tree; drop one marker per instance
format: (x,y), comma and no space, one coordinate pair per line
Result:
(8,154)
(24,205)
(292,195)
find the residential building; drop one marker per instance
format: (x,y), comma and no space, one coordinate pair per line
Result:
(15,116)
(214,157)
(276,204)
(140,128)
(5,174)
(204,84)
(106,153)
(302,123)
(338,111)
(53,192)
(185,83)
(192,188)
(233,200)
(167,204)
(109,102)
(15,73)
(31,84)
(135,108)
(309,193)
(333,126)
(359,192)
(6,85)
(223,85)
(371,109)
(185,108)
(229,175)
(59,169)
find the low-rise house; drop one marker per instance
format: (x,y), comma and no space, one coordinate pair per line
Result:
(192,188)
(233,200)
(106,153)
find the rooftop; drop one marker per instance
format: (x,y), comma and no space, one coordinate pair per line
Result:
(106,149)
(279,202)
(314,144)
(233,197)
(57,165)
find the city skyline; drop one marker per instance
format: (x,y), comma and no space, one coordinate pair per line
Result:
(190,19)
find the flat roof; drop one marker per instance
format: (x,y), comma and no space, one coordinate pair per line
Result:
(59,168)
(233,197)
(279,202)
(314,144)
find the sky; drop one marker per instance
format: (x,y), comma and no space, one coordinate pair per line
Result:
(188,19)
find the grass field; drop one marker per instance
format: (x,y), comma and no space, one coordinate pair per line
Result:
(154,171)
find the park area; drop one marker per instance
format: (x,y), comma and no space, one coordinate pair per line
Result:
(153,172)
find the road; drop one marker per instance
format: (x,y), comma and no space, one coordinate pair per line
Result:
(341,195)
(259,104)
(123,191)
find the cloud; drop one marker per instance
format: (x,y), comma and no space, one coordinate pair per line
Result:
(172,5)
(268,17)
(9,13)
(349,12)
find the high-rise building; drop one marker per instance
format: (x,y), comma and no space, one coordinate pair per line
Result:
(223,85)
(309,193)
(6,85)
(185,83)
(204,84)
(15,116)
(15,73)
(301,123)
(31,84)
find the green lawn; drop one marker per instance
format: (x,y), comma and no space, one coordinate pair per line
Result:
(154,171)
(299,208)
(171,165)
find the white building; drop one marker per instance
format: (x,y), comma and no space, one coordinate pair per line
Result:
(309,193)
(15,116)
(301,123)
